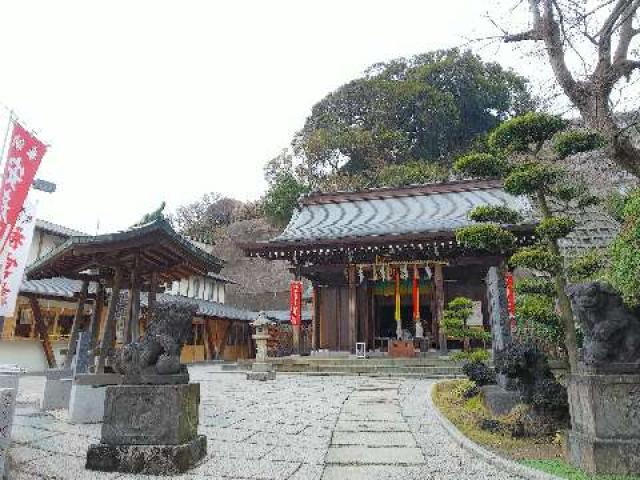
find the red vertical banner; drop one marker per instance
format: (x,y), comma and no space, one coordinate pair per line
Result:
(295,302)
(511,299)
(23,159)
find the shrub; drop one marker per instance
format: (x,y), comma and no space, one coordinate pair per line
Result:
(625,253)
(536,258)
(529,178)
(553,228)
(495,213)
(537,308)
(550,397)
(489,237)
(479,373)
(480,165)
(576,141)
(587,266)
(536,286)
(475,355)
(519,132)
(462,387)
(522,361)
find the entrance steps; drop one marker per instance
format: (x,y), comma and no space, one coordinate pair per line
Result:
(420,367)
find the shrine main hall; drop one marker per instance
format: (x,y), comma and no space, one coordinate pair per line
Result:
(383,263)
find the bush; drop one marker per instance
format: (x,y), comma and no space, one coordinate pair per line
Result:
(536,258)
(524,362)
(550,397)
(496,214)
(489,237)
(481,165)
(625,253)
(588,266)
(576,141)
(553,228)
(479,373)
(529,178)
(475,355)
(537,308)
(519,132)
(536,286)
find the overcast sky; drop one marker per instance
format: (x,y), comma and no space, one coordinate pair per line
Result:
(144,101)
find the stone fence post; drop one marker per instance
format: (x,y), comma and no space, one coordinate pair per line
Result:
(7,407)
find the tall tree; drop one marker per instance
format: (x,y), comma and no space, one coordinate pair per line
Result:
(429,107)
(199,219)
(591,47)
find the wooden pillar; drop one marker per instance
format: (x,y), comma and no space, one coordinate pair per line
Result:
(134,309)
(438,283)
(75,328)
(353,308)
(315,317)
(42,331)
(96,315)
(109,332)
(152,291)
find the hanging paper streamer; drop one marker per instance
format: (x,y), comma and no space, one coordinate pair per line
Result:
(427,271)
(360,274)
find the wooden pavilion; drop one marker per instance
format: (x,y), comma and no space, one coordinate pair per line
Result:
(140,259)
(384,262)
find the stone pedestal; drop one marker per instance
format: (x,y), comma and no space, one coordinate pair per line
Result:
(7,407)
(150,429)
(57,389)
(605,417)
(262,372)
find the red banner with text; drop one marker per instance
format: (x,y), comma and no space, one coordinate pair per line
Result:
(23,159)
(295,302)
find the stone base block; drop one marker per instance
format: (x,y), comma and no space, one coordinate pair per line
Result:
(7,408)
(9,380)
(150,414)
(597,456)
(261,376)
(86,404)
(498,400)
(147,459)
(57,392)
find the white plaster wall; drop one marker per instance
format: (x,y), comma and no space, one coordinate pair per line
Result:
(25,353)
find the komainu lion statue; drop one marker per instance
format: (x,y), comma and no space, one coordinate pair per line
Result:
(611,330)
(158,351)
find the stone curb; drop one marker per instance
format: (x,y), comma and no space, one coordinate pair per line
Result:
(489,457)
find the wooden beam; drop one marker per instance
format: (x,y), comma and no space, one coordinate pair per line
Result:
(96,315)
(151,299)
(109,332)
(315,317)
(75,328)
(42,332)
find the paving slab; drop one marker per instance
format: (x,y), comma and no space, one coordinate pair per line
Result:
(374,439)
(359,455)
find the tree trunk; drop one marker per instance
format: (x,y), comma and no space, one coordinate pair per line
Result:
(566,313)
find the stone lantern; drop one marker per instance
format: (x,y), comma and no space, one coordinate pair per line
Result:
(261,368)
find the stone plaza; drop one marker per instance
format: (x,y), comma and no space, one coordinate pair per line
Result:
(295,427)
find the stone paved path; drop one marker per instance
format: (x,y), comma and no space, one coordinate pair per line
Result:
(296,428)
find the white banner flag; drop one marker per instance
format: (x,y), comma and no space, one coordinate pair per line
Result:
(14,258)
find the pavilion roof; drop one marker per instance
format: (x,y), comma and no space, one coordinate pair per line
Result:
(155,246)
(387,217)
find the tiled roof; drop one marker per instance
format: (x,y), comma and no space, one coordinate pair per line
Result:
(57,229)
(66,289)
(411,210)
(285,316)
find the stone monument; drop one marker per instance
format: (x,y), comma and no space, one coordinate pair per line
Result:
(151,419)
(604,392)
(7,407)
(261,369)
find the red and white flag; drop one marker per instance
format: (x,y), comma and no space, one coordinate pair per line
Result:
(23,159)
(14,258)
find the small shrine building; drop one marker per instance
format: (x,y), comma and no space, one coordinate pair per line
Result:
(384,262)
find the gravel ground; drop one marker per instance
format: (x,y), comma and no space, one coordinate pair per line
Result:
(294,428)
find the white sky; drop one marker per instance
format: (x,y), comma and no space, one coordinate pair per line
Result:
(144,101)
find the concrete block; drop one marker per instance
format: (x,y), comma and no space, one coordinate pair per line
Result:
(498,400)
(9,380)
(86,404)
(57,392)
(605,417)
(7,408)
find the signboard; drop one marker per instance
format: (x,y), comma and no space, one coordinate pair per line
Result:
(511,299)
(475,319)
(295,302)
